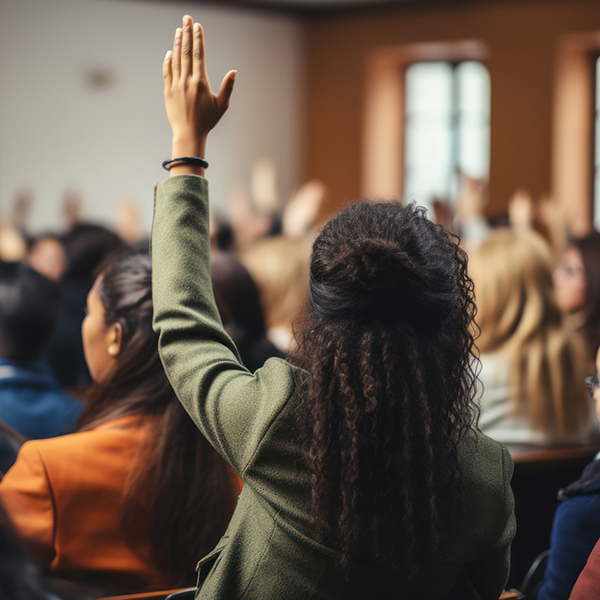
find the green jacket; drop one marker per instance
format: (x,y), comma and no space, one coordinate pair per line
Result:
(267,552)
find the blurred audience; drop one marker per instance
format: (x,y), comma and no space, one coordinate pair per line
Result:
(19,577)
(576,527)
(86,245)
(31,400)
(133,498)
(577,282)
(10,442)
(48,256)
(13,246)
(279,266)
(241,312)
(533,364)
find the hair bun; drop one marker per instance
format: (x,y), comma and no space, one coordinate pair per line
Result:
(374,265)
(375,279)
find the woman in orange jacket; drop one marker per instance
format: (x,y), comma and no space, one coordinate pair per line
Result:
(131,499)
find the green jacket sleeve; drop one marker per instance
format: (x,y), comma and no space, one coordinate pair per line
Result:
(233,408)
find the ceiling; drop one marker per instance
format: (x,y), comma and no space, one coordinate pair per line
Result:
(333,7)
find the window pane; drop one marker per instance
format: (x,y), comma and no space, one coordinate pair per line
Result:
(446,127)
(429,88)
(474,153)
(474,88)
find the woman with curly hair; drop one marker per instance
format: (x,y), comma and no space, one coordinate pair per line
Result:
(364,475)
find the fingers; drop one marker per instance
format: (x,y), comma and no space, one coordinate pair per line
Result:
(199,64)
(225,91)
(186,46)
(176,56)
(167,73)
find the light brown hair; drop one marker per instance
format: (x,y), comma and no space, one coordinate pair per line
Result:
(518,315)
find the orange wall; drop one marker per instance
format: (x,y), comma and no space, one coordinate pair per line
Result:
(522,41)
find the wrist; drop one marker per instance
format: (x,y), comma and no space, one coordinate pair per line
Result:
(186,145)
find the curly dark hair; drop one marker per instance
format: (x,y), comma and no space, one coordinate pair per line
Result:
(388,346)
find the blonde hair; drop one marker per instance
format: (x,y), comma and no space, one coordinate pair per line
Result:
(279,266)
(518,315)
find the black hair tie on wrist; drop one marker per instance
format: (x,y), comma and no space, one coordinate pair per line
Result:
(185,160)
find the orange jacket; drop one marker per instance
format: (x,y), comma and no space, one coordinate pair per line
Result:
(63,495)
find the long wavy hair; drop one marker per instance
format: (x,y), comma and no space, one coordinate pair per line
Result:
(184,484)
(387,345)
(518,315)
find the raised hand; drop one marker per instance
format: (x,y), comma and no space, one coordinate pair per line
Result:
(192,108)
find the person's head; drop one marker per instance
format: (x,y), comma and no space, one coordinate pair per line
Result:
(237,299)
(279,266)
(29,305)
(518,314)
(577,281)
(87,245)
(570,281)
(175,467)
(387,344)
(593,385)
(239,305)
(513,277)
(119,344)
(48,256)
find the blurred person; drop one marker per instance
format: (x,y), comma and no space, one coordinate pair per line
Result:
(10,442)
(131,499)
(13,246)
(87,245)
(129,221)
(279,266)
(533,364)
(301,213)
(47,255)
(576,527)
(363,474)
(241,312)
(20,579)
(31,399)
(577,284)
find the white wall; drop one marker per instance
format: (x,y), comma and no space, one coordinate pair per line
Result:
(58,134)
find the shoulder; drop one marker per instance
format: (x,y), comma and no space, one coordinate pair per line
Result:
(578,510)
(478,451)
(114,436)
(486,469)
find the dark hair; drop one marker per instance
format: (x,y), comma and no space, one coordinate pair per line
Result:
(29,305)
(185,485)
(388,348)
(87,245)
(589,248)
(238,301)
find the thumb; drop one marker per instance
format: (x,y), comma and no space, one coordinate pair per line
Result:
(225,91)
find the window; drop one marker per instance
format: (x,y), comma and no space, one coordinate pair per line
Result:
(447,128)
